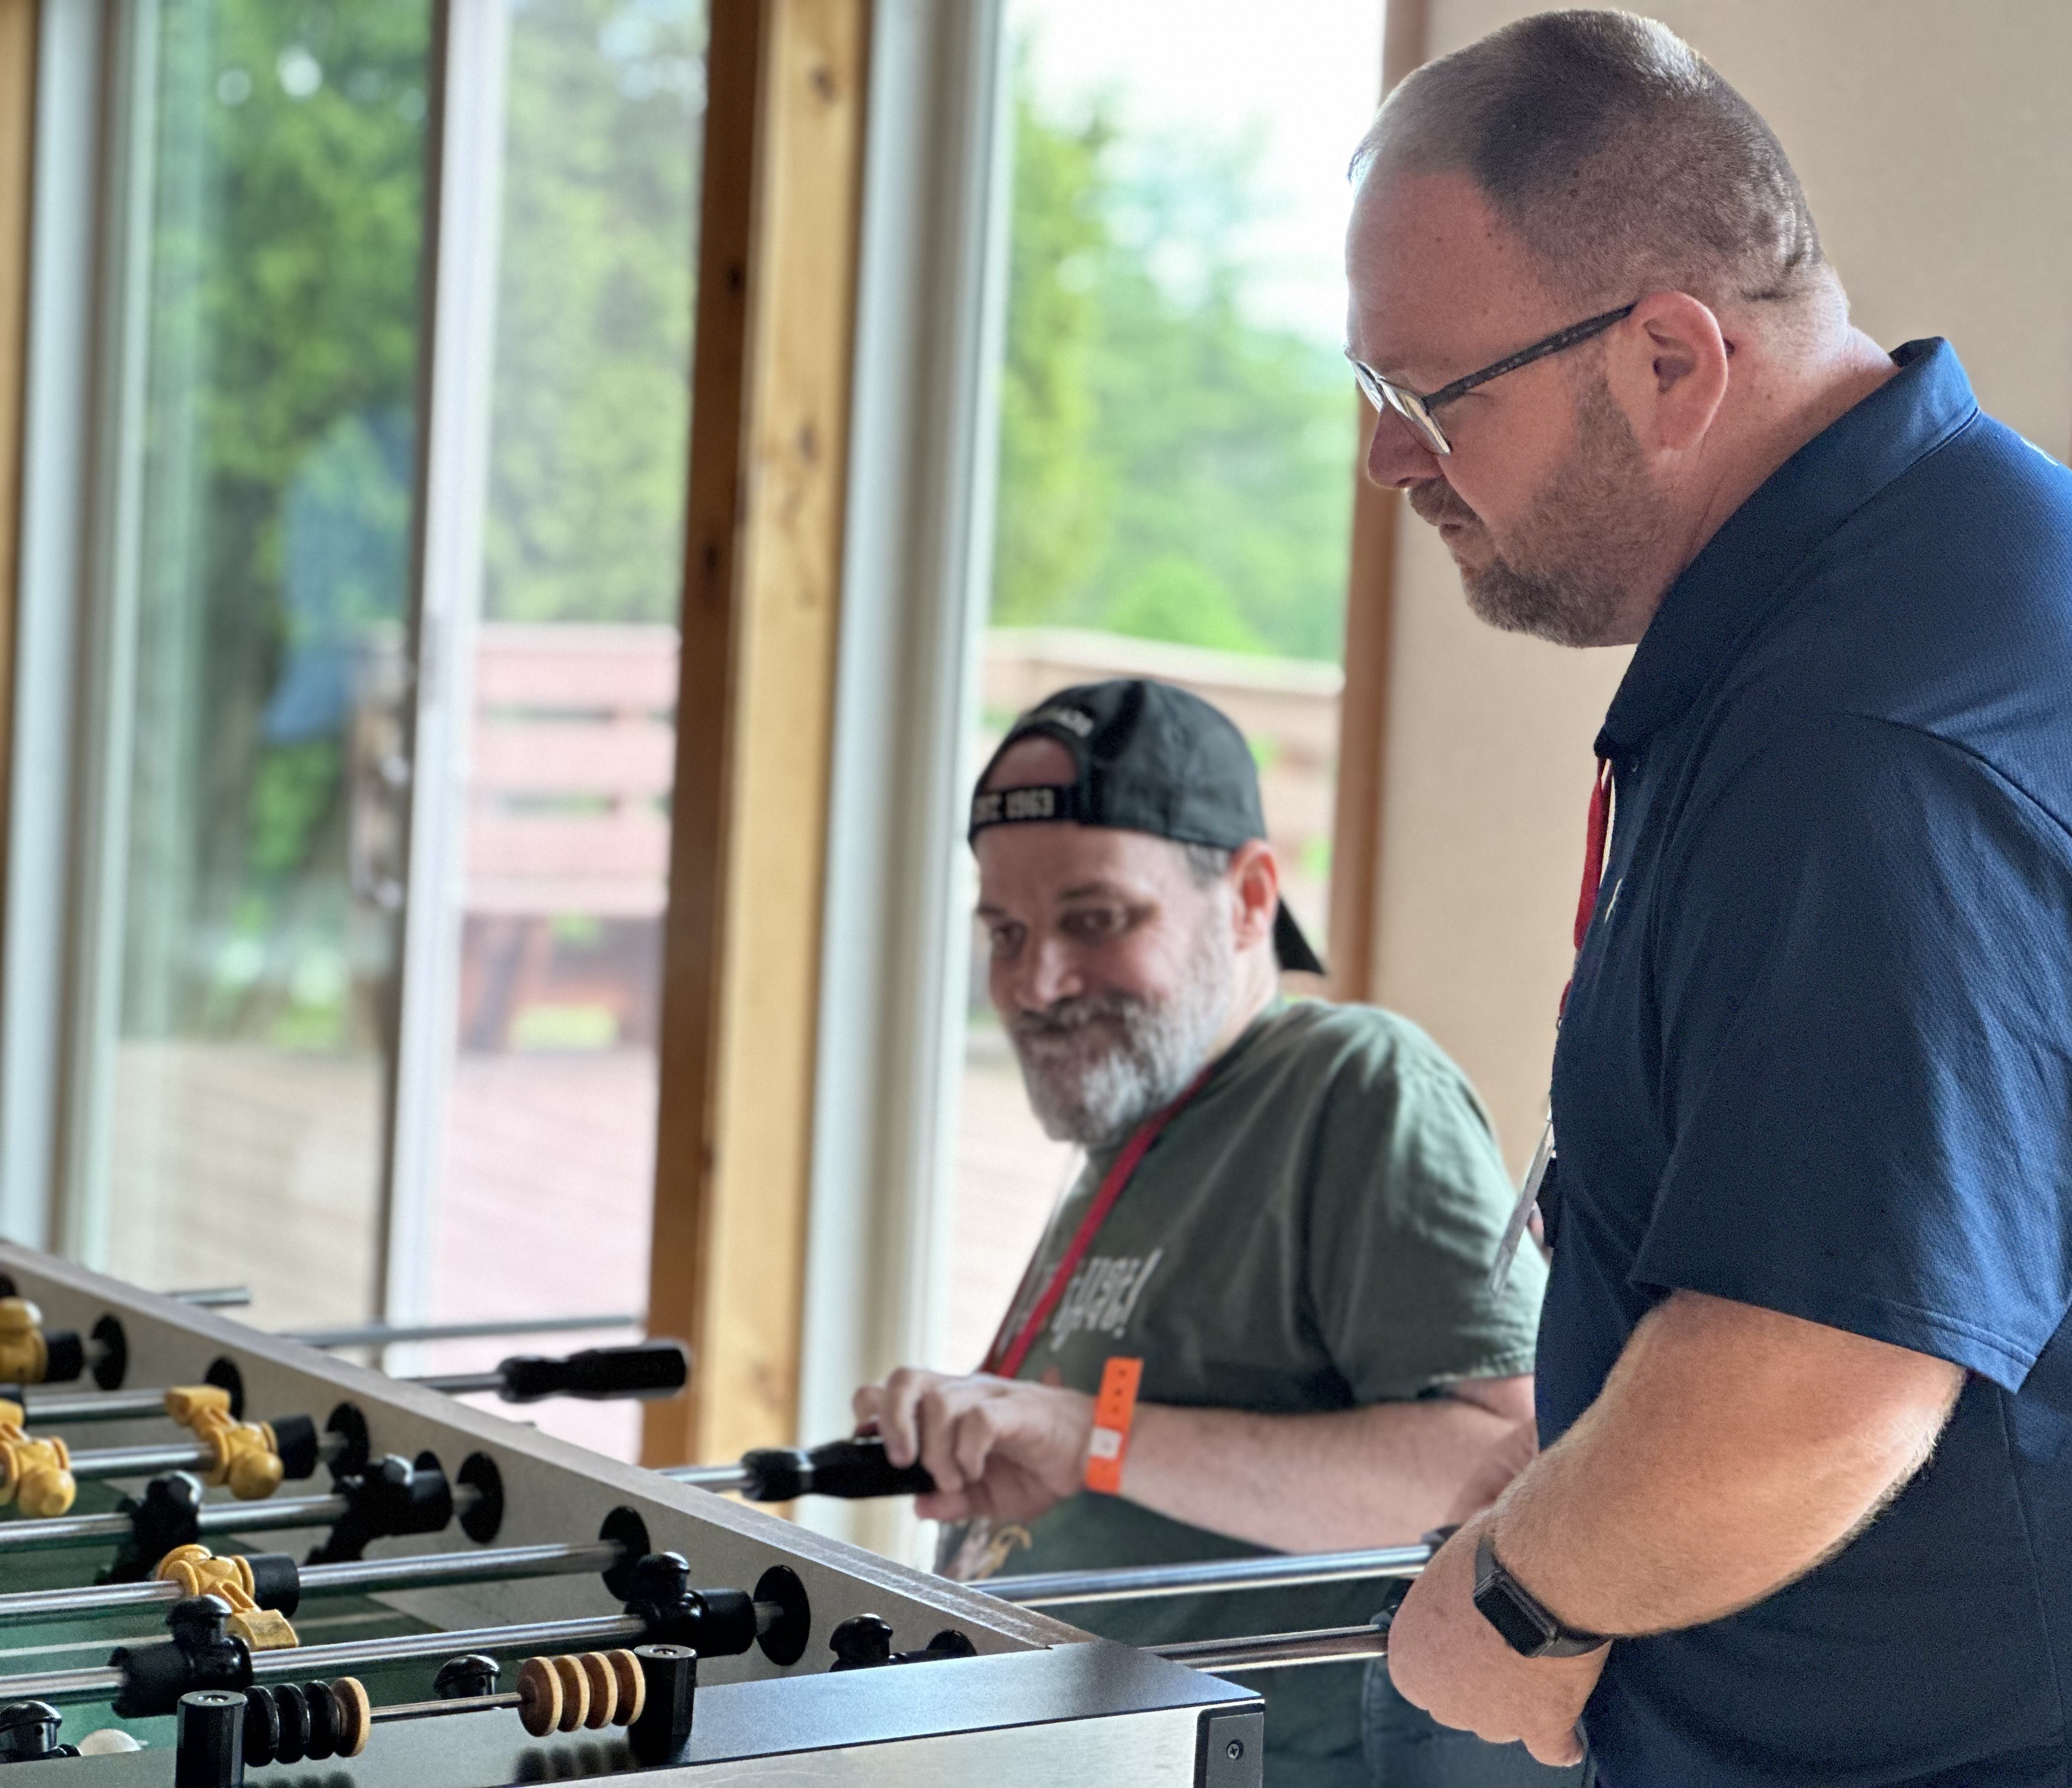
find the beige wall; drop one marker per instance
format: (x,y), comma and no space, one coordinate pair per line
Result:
(1931,138)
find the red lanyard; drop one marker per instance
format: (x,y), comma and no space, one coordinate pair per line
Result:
(1593,848)
(1005,1357)
(1596,834)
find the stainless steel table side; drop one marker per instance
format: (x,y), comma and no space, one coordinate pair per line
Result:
(1097,1713)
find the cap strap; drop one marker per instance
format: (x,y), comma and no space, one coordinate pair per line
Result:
(1038,805)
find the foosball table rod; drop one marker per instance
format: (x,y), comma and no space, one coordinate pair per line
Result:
(1142,1583)
(1329,1645)
(252,1459)
(661,1608)
(275,1581)
(386,1499)
(650,1691)
(217,1518)
(395,1334)
(645,1370)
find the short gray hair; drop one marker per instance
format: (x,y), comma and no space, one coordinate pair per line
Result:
(1617,154)
(1207,863)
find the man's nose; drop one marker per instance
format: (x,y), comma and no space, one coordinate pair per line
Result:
(1395,458)
(1048,975)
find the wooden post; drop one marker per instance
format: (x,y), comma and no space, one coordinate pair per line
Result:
(770,407)
(1356,830)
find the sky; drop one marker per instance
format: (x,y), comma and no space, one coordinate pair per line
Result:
(1299,78)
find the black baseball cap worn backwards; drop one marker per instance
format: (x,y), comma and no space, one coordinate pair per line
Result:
(1149,757)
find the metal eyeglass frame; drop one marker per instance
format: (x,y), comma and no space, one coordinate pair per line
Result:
(1417,410)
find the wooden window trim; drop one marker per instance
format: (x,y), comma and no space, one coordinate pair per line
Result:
(18,22)
(1358,819)
(777,238)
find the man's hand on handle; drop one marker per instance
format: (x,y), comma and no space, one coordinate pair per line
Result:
(1443,1655)
(997,1448)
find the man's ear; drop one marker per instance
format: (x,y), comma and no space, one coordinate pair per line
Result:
(1667,371)
(1254,879)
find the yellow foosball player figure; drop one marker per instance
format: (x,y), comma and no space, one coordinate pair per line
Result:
(248,1456)
(199,1571)
(24,1354)
(35,1473)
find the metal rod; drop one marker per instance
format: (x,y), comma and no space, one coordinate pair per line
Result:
(140,1461)
(226,1516)
(1137,1583)
(93,1598)
(32,1536)
(547,1636)
(290,1511)
(460,1384)
(493,1564)
(1274,1650)
(88,1406)
(721,1478)
(425,1571)
(215,1297)
(64,1685)
(1265,1651)
(320,1661)
(132,1405)
(149,1462)
(431,1710)
(382,1334)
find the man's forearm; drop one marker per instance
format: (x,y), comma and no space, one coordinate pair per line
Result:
(1731,1451)
(1382,1475)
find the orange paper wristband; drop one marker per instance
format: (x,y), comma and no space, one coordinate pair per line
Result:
(1114,1409)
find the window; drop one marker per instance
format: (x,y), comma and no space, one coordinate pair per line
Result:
(281,865)
(1177,433)
(549,1156)
(261,515)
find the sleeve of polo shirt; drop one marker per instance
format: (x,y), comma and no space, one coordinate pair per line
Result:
(1864,963)
(1407,1201)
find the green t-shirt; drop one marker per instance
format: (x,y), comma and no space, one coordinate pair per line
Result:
(1314,1230)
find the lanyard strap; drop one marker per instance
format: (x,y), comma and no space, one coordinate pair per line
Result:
(1005,1357)
(1595,837)
(1597,832)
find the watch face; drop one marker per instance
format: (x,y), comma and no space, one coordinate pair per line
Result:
(1522,1630)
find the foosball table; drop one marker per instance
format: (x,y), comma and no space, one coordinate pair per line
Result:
(224,1555)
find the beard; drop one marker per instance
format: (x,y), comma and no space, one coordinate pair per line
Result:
(1096,1065)
(1575,568)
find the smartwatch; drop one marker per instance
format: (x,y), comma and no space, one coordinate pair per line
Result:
(1527,1628)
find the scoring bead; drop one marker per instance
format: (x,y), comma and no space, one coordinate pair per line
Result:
(540,1696)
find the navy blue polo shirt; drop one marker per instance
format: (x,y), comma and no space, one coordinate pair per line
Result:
(1817,1058)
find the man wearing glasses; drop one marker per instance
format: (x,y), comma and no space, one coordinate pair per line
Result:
(1811,1202)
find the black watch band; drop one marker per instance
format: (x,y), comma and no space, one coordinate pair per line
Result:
(1527,1628)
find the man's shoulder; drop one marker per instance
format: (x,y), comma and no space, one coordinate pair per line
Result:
(1936,622)
(1325,1032)
(1375,1058)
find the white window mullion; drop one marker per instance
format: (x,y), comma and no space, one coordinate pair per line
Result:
(916,574)
(470,164)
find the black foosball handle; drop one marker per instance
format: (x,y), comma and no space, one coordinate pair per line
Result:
(851,1469)
(651,1369)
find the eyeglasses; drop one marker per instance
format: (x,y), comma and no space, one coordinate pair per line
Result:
(1416,410)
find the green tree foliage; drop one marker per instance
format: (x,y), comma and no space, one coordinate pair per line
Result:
(1170,468)
(283,265)
(592,401)
(282,305)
